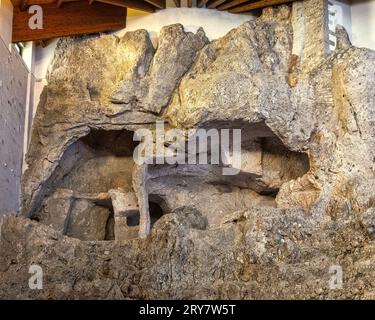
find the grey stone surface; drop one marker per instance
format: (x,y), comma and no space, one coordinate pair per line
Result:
(125,206)
(273,231)
(56,210)
(316,38)
(175,54)
(87,221)
(13,90)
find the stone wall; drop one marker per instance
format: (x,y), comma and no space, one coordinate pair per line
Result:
(316,39)
(13,90)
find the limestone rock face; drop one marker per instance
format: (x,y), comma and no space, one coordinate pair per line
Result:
(175,53)
(301,204)
(241,77)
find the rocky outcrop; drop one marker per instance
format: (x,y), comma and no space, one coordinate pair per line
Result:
(175,54)
(258,254)
(302,202)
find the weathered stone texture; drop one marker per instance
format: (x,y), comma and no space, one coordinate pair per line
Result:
(176,52)
(302,202)
(316,42)
(13,91)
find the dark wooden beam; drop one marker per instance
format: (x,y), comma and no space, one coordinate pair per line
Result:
(24,4)
(190,3)
(215,3)
(232,4)
(39,2)
(60,2)
(73,18)
(132,4)
(177,3)
(201,3)
(258,5)
(161,4)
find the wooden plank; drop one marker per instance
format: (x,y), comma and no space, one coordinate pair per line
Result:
(190,3)
(73,18)
(161,4)
(258,5)
(132,4)
(215,3)
(16,3)
(24,4)
(231,4)
(39,2)
(60,2)
(177,3)
(201,3)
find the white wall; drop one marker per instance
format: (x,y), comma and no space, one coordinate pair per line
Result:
(343,16)
(14,76)
(363,23)
(215,23)
(358,18)
(6,18)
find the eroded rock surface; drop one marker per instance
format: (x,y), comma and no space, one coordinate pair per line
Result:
(302,203)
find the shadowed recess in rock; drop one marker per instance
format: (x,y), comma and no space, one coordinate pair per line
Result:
(266,164)
(80,202)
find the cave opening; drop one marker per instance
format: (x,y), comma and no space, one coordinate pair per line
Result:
(266,164)
(78,200)
(156,212)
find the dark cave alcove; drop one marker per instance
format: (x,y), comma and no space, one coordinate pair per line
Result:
(103,161)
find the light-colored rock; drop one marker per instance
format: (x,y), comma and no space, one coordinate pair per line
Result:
(57,209)
(272,231)
(175,54)
(87,221)
(125,206)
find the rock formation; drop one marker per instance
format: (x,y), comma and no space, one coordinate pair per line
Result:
(102,226)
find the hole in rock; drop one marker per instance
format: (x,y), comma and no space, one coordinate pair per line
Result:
(98,162)
(266,164)
(110,227)
(156,212)
(89,168)
(103,160)
(133,220)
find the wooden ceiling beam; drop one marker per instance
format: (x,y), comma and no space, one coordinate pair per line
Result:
(232,4)
(73,18)
(177,3)
(60,2)
(215,3)
(38,2)
(161,4)
(189,3)
(258,5)
(131,4)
